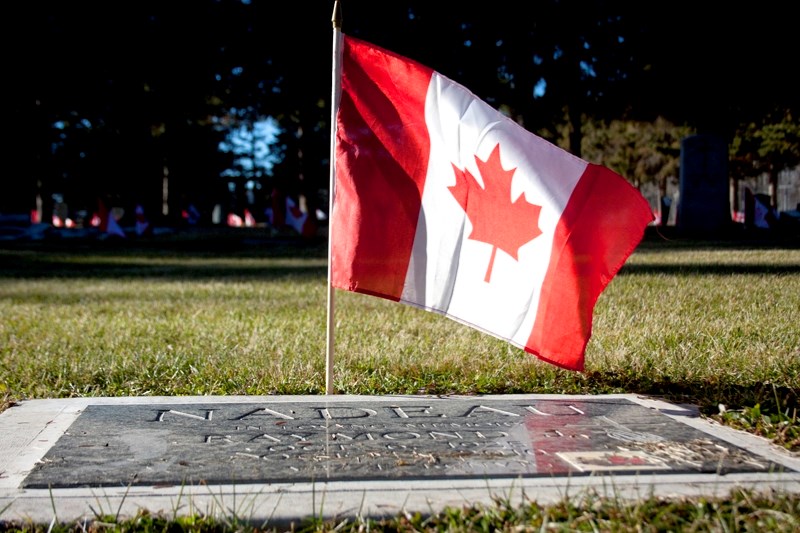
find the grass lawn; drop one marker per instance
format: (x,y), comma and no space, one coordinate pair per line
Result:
(712,323)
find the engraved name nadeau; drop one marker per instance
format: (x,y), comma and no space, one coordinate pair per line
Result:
(290,427)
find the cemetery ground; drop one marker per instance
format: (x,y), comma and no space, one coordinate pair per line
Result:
(711,323)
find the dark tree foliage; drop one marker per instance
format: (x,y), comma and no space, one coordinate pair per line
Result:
(136,78)
(126,90)
(721,68)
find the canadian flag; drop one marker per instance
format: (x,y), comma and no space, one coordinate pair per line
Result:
(299,219)
(443,203)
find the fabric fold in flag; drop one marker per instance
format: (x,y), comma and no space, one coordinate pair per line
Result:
(444,203)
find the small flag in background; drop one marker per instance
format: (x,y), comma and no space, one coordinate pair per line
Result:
(443,203)
(142,224)
(191,215)
(298,219)
(758,211)
(249,219)
(235,221)
(108,224)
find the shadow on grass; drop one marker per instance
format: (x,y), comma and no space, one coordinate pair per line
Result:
(103,265)
(707,396)
(215,258)
(669,240)
(700,269)
(101,259)
(100,269)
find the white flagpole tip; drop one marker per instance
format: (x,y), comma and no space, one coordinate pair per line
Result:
(336,19)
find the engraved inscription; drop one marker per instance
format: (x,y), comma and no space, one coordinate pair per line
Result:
(348,440)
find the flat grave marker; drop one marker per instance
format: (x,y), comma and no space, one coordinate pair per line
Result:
(419,439)
(282,456)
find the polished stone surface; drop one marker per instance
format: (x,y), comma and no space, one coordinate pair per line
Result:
(413,438)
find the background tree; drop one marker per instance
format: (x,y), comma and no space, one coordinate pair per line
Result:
(140,77)
(643,152)
(130,96)
(769,146)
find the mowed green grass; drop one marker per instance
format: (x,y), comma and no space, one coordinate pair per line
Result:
(707,323)
(692,323)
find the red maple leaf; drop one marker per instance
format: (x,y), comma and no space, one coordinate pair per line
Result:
(495,219)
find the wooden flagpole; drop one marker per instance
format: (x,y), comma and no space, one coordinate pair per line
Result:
(335,89)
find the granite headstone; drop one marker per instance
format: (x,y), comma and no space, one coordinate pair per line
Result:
(704,203)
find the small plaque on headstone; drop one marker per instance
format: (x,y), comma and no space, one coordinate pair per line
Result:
(326,440)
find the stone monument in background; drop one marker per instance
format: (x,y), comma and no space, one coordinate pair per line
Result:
(704,203)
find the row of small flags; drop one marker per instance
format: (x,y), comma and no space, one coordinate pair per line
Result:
(104,220)
(235,221)
(294,217)
(304,224)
